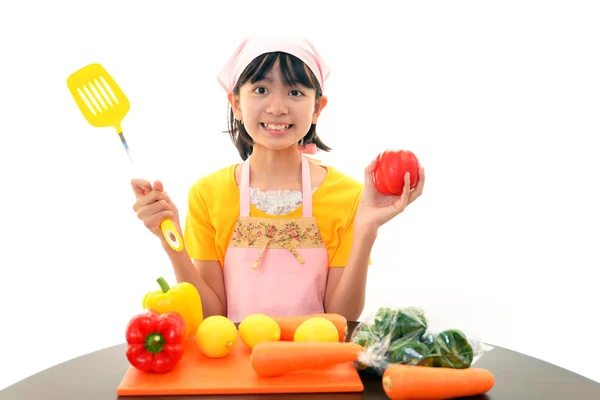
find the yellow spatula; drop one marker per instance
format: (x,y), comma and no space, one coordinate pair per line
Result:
(103,104)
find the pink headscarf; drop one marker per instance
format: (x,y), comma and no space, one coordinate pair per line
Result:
(254,46)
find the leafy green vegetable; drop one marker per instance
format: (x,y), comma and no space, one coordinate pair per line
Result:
(409,352)
(452,350)
(400,322)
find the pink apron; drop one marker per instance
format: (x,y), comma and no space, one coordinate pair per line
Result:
(275,266)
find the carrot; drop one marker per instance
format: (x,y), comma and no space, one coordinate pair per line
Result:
(288,325)
(278,358)
(408,382)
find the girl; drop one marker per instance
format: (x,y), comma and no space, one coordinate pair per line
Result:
(276,234)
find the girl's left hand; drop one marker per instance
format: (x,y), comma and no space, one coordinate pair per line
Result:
(377,209)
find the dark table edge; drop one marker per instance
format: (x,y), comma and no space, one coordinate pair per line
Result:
(351,324)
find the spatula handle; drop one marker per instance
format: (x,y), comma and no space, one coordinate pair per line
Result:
(169,232)
(171,235)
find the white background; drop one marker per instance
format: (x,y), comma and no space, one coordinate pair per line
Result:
(501,102)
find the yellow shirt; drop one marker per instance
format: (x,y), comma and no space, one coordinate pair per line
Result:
(214,206)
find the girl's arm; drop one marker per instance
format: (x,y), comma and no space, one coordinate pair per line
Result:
(346,287)
(206,276)
(152,206)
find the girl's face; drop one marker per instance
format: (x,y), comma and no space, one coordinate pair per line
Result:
(274,114)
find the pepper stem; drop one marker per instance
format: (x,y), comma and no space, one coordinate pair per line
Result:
(163,284)
(155,342)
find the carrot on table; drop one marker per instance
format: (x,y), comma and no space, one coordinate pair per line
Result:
(416,382)
(278,358)
(288,325)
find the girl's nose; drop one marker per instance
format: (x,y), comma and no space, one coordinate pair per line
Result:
(277,105)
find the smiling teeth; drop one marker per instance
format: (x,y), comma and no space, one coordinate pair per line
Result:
(276,127)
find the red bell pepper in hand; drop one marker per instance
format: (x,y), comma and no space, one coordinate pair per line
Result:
(155,342)
(390,169)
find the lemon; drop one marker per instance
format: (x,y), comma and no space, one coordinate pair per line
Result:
(316,329)
(258,328)
(216,336)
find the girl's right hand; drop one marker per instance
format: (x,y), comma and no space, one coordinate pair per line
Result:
(153,205)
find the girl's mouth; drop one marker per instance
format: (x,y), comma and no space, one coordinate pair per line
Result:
(276,128)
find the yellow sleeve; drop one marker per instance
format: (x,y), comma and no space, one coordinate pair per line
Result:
(199,233)
(345,240)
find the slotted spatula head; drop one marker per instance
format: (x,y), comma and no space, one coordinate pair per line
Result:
(98,96)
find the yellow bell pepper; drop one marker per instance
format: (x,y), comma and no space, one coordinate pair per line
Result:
(182,298)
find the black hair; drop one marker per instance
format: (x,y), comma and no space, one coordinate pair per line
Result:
(294,72)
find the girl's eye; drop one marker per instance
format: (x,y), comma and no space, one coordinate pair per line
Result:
(296,93)
(260,90)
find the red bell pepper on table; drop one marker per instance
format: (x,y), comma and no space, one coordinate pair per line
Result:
(155,342)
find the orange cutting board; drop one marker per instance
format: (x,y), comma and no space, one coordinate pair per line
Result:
(197,374)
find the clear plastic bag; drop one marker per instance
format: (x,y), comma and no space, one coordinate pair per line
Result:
(403,335)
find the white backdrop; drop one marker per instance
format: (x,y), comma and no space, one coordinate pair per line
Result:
(500,102)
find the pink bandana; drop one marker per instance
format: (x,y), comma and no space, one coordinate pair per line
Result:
(255,46)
